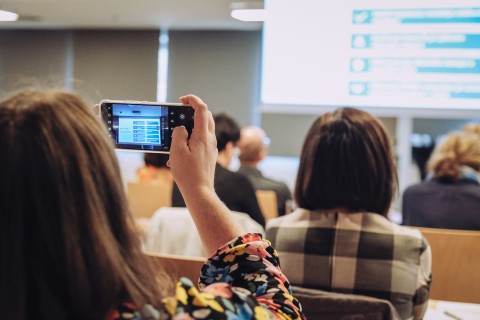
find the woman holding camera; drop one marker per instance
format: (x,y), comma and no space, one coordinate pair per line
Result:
(67,244)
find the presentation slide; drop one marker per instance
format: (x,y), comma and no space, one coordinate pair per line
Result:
(405,54)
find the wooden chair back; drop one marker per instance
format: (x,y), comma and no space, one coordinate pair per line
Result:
(267,200)
(144,199)
(177,266)
(455,264)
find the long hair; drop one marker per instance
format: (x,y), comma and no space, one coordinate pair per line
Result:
(346,161)
(67,249)
(458,149)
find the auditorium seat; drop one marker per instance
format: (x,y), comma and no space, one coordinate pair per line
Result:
(455,264)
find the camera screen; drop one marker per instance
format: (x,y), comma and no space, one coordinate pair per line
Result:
(144,127)
(138,124)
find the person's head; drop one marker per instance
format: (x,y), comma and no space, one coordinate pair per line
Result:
(253,145)
(227,133)
(456,150)
(66,241)
(158,160)
(346,162)
(472,127)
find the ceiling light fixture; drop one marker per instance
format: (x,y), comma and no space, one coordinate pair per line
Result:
(249,14)
(8,16)
(248,11)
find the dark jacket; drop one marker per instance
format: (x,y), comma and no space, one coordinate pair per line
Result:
(262,183)
(234,189)
(440,204)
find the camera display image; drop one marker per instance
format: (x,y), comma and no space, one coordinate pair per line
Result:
(144,126)
(139,125)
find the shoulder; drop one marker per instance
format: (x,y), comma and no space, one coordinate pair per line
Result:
(298,218)
(228,177)
(245,170)
(240,180)
(276,184)
(424,185)
(400,234)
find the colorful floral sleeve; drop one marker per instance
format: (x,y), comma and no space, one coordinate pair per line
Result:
(242,280)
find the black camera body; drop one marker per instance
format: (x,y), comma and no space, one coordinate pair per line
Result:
(144,126)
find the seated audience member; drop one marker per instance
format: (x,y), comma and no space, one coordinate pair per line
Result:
(172,231)
(155,170)
(66,241)
(339,238)
(234,189)
(450,197)
(253,147)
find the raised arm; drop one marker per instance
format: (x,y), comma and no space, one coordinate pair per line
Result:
(192,162)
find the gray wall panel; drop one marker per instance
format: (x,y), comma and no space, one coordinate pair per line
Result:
(33,57)
(222,67)
(116,64)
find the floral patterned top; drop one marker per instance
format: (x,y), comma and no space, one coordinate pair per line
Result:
(242,280)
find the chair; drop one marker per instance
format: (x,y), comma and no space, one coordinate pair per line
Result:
(267,200)
(455,264)
(176,266)
(319,304)
(144,199)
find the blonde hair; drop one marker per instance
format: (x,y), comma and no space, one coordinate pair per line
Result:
(458,149)
(472,127)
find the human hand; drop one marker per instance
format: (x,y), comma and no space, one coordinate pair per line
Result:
(96,110)
(192,161)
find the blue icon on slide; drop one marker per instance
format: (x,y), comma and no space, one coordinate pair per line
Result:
(358,88)
(362,16)
(359,65)
(360,41)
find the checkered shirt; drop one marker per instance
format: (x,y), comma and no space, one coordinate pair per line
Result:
(359,253)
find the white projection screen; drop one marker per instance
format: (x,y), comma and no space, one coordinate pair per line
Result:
(400,54)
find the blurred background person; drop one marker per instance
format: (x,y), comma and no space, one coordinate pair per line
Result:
(472,127)
(422,148)
(155,171)
(339,239)
(234,189)
(450,197)
(253,148)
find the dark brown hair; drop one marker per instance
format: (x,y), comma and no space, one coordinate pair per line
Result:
(226,130)
(158,160)
(67,249)
(346,161)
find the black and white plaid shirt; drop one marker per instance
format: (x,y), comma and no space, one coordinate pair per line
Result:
(360,253)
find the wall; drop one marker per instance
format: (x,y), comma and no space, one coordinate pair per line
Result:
(33,57)
(222,67)
(98,64)
(116,64)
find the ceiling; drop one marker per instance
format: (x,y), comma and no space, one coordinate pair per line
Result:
(128,14)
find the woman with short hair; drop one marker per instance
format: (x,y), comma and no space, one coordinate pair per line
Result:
(339,239)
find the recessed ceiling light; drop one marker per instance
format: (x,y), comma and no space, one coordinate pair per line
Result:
(249,14)
(8,16)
